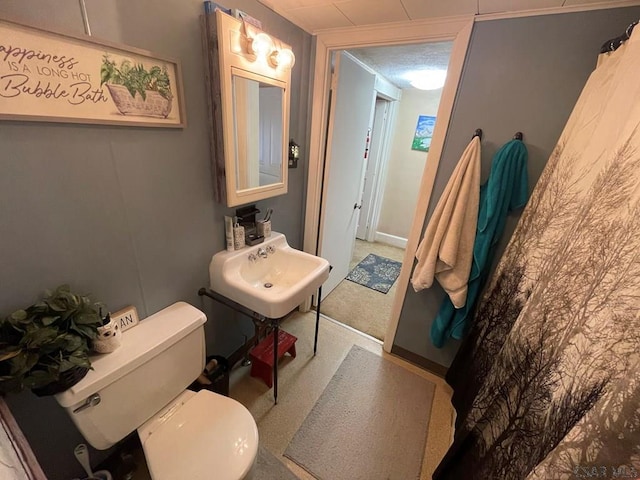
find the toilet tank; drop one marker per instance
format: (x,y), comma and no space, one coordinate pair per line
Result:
(157,360)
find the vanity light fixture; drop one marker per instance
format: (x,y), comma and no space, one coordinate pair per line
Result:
(263,46)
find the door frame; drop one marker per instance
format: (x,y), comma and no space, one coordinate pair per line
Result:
(383,161)
(457,29)
(373,169)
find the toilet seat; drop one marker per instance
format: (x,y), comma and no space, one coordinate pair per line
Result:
(200,436)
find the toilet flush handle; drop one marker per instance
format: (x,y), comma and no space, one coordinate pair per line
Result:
(91,401)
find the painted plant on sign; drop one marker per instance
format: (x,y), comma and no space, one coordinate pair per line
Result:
(136,91)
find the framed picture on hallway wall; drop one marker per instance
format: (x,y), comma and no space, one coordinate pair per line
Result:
(53,77)
(424,133)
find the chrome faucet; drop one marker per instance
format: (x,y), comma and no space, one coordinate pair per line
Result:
(262,253)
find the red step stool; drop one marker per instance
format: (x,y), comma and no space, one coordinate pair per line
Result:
(262,355)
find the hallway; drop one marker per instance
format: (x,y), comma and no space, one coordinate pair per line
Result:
(360,307)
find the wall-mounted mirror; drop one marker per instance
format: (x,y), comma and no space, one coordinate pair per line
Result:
(248,78)
(258,130)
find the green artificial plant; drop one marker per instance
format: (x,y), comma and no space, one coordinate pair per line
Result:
(43,341)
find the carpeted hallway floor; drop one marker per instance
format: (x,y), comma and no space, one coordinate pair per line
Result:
(360,307)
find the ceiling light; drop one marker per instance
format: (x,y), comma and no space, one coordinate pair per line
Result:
(427,79)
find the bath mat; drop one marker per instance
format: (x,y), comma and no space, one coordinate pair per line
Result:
(369,423)
(375,272)
(268,467)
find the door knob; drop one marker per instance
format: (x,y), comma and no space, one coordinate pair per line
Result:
(355,205)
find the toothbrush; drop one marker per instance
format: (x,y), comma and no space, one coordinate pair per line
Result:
(267,217)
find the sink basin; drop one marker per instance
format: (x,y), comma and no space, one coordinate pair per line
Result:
(273,285)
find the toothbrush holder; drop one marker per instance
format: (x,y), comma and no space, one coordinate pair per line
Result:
(263,228)
(109,337)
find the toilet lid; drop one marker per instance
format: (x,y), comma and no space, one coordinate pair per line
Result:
(210,436)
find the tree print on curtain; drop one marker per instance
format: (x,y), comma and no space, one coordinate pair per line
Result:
(547,384)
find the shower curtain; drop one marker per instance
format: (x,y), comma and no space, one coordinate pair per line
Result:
(547,383)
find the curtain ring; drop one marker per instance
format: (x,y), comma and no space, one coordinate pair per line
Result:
(629,29)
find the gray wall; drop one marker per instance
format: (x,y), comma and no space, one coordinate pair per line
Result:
(520,74)
(125,213)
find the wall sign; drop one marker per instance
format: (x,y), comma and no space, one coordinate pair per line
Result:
(46,76)
(127,318)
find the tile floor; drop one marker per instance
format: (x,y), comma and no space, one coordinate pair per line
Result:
(303,379)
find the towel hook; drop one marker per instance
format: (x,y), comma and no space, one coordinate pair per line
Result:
(478,133)
(614,43)
(518,136)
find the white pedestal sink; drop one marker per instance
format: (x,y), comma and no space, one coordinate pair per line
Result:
(270,278)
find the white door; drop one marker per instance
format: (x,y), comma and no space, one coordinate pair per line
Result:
(352,103)
(270,134)
(372,170)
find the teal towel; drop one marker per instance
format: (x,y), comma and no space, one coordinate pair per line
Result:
(506,189)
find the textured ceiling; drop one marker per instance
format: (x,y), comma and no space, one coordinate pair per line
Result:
(395,61)
(315,15)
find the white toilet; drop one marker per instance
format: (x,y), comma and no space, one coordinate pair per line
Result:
(142,385)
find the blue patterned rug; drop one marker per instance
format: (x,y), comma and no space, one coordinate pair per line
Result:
(376,273)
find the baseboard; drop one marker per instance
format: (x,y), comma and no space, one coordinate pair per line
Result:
(420,361)
(391,240)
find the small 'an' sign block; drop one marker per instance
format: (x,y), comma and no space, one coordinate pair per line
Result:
(127,318)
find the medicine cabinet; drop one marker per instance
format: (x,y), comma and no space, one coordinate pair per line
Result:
(248,78)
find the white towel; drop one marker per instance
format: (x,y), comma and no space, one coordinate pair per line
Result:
(446,250)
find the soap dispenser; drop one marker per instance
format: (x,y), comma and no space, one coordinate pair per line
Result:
(238,236)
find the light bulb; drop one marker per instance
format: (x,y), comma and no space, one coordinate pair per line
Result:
(283,58)
(286,58)
(261,45)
